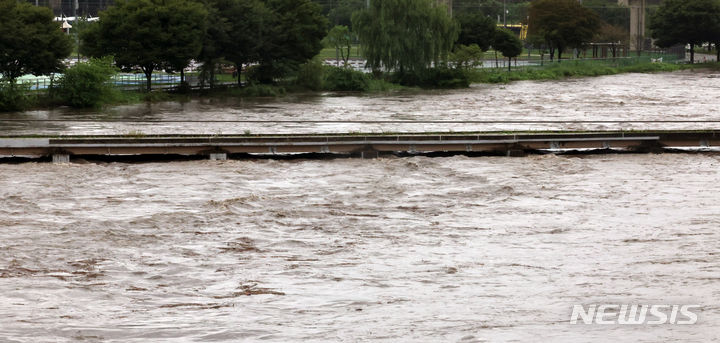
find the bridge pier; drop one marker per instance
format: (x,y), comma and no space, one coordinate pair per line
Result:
(61,158)
(516,153)
(218,156)
(366,155)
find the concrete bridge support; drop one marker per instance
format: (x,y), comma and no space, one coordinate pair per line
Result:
(61,158)
(218,156)
(637,22)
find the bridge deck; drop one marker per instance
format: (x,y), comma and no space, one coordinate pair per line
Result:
(214,145)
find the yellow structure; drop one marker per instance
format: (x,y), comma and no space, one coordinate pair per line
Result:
(520,29)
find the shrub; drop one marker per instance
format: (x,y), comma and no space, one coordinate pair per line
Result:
(13,97)
(310,75)
(440,77)
(345,79)
(262,91)
(87,84)
(265,74)
(380,85)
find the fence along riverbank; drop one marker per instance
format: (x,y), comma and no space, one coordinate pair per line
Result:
(227,78)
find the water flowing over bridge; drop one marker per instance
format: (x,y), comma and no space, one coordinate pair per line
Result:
(370,145)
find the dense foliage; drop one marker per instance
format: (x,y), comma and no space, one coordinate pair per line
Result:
(508,44)
(476,28)
(562,24)
(342,13)
(345,79)
(690,22)
(405,36)
(148,34)
(12,97)
(87,84)
(467,56)
(238,32)
(30,41)
(340,38)
(299,28)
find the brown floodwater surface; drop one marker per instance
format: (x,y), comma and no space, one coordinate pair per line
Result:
(391,249)
(459,249)
(647,97)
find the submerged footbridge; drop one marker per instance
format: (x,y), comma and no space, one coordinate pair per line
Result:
(365,145)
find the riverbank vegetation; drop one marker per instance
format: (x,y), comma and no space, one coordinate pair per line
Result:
(272,47)
(570,69)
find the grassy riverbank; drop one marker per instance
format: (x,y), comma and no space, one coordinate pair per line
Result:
(570,69)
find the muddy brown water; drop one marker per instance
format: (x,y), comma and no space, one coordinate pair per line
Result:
(392,249)
(665,96)
(459,249)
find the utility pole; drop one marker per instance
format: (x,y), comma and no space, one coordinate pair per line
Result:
(75,22)
(641,28)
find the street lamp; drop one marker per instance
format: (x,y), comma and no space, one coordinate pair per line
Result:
(504,14)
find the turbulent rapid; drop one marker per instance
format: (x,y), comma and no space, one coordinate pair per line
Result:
(679,96)
(413,249)
(393,249)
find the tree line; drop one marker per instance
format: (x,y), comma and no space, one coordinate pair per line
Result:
(276,37)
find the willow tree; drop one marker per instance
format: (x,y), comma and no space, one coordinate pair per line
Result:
(405,35)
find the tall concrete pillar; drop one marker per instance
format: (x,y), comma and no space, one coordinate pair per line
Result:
(637,22)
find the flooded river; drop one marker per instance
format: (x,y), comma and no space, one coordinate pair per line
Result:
(393,249)
(645,97)
(417,249)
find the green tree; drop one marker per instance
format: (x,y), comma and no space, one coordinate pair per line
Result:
(492,8)
(31,42)
(466,56)
(247,27)
(342,13)
(690,22)
(148,34)
(508,44)
(405,35)
(612,34)
(341,39)
(87,84)
(476,28)
(562,24)
(215,38)
(298,30)
(610,12)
